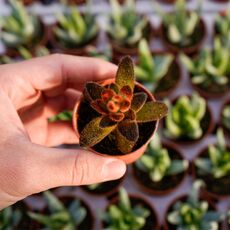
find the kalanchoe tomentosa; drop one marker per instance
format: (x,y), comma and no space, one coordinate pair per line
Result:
(226,117)
(218,162)
(126,27)
(20,27)
(194,214)
(124,216)
(157,162)
(210,67)
(151,69)
(184,118)
(181,25)
(60,217)
(119,110)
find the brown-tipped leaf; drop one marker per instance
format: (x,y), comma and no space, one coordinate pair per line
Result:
(95,131)
(130,115)
(114,87)
(127,134)
(125,73)
(98,105)
(127,92)
(152,111)
(138,101)
(116,116)
(92,91)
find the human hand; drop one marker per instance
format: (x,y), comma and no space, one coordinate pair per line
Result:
(31,92)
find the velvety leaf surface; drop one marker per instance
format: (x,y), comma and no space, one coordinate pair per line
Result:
(92,91)
(95,131)
(98,106)
(152,111)
(125,73)
(130,115)
(127,92)
(138,101)
(117,117)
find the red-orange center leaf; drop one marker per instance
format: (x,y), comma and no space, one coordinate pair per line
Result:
(126,92)
(113,107)
(116,116)
(107,94)
(124,106)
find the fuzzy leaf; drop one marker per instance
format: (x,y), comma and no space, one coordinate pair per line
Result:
(125,73)
(92,91)
(127,92)
(95,131)
(98,105)
(117,117)
(138,101)
(130,115)
(152,111)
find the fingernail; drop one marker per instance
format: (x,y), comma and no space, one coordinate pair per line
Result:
(113,169)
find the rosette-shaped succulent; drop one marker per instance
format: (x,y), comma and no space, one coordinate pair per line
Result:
(120,109)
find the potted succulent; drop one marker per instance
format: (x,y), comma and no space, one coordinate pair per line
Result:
(160,73)
(212,165)
(22,29)
(117,117)
(129,212)
(66,212)
(192,212)
(106,54)
(182,30)
(74,31)
(15,217)
(125,28)
(77,1)
(225,117)
(189,119)
(210,70)
(161,169)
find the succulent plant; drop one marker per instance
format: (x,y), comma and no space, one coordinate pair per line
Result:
(105,55)
(119,109)
(193,213)
(60,217)
(218,162)
(124,216)
(125,27)
(151,69)
(10,218)
(210,67)
(74,29)
(65,115)
(157,162)
(180,25)
(19,28)
(184,118)
(226,117)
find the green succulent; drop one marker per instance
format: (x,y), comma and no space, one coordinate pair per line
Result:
(151,69)
(105,55)
(157,162)
(19,28)
(125,26)
(74,29)
(210,67)
(65,115)
(194,214)
(10,218)
(218,162)
(60,217)
(124,216)
(94,186)
(184,118)
(181,25)
(226,117)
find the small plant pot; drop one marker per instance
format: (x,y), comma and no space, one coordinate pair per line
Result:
(78,2)
(220,1)
(198,39)
(107,189)
(88,223)
(120,51)
(152,222)
(168,184)
(25,2)
(83,113)
(168,226)
(215,188)
(207,125)
(76,50)
(226,130)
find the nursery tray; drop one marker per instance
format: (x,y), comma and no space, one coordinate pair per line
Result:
(101,8)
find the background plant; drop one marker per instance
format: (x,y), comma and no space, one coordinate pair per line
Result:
(65,115)
(20,27)
(157,162)
(184,117)
(194,214)
(151,69)
(125,26)
(120,110)
(74,29)
(60,217)
(218,162)
(226,117)
(181,24)
(125,216)
(210,67)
